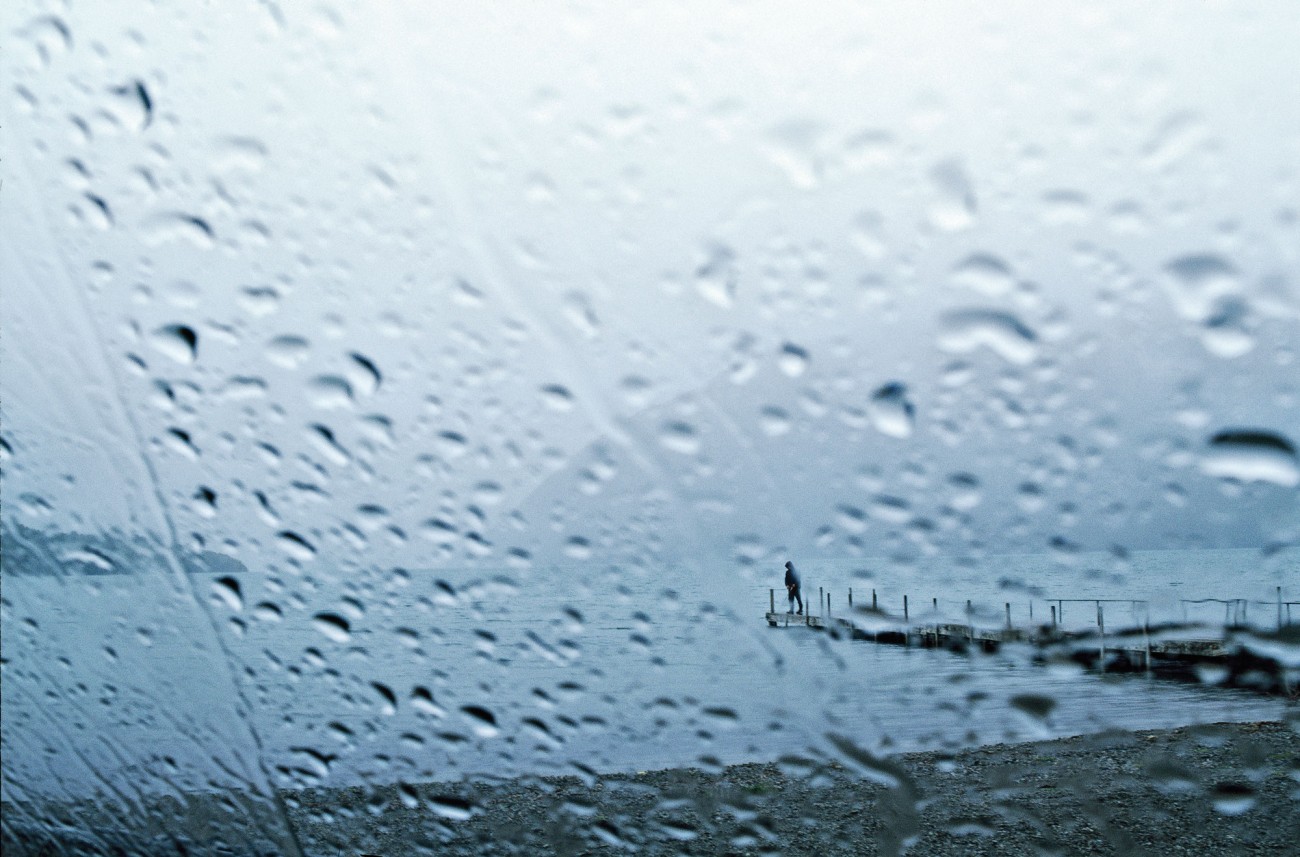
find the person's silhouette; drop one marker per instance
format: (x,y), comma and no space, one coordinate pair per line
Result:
(792,586)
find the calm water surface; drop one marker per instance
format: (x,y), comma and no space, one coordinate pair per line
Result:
(442,675)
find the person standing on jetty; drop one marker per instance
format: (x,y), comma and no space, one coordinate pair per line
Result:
(792,586)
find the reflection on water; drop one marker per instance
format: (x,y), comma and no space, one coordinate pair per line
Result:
(440,676)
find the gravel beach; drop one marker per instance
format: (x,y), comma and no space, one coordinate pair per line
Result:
(1216,789)
(1202,790)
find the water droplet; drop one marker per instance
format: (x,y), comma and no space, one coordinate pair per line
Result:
(1061,207)
(557,397)
(793,360)
(717,277)
(482,720)
(984,273)
(868,235)
(178,226)
(422,700)
(795,147)
(467,294)
(181,441)
(387,696)
(451,807)
(579,312)
(100,216)
(49,37)
(227,589)
(963,331)
(1228,331)
(323,439)
(205,501)
(1196,284)
(288,351)
(177,341)
(366,374)
(679,437)
(238,154)
(869,148)
(267,611)
(891,412)
(1177,136)
(1252,455)
(636,391)
(334,626)
(330,392)
(965,491)
(1233,798)
(1170,778)
(1035,705)
(134,97)
(954,205)
(774,421)
(295,545)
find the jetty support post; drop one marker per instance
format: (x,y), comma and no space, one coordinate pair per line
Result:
(1279,608)
(1146,644)
(873,599)
(851,599)
(905,608)
(1031,612)
(1053,615)
(771,598)
(1008,615)
(1101,626)
(821,601)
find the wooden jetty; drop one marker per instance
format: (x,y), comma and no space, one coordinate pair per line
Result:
(1173,649)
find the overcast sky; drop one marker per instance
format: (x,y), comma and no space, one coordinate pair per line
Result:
(381,285)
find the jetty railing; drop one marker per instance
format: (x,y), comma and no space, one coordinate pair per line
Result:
(1236,610)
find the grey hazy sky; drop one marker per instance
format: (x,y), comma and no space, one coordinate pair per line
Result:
(634,282)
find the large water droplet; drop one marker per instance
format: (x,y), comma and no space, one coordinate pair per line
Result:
(1252,455)
(1001,332)
(482,720)
(891,412)
(177,341)
(227,590)
(1233,798)
(334,626)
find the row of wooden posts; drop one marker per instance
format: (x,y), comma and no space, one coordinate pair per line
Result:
(1235,608)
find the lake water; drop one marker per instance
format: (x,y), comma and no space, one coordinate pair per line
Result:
(122,682)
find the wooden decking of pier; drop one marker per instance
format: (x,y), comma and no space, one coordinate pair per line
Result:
(1169,647)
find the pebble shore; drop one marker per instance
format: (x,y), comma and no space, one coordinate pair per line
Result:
(1203,790)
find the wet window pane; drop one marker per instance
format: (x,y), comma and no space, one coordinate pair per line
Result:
(409,415)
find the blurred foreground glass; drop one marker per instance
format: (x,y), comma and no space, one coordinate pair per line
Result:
(396,397)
